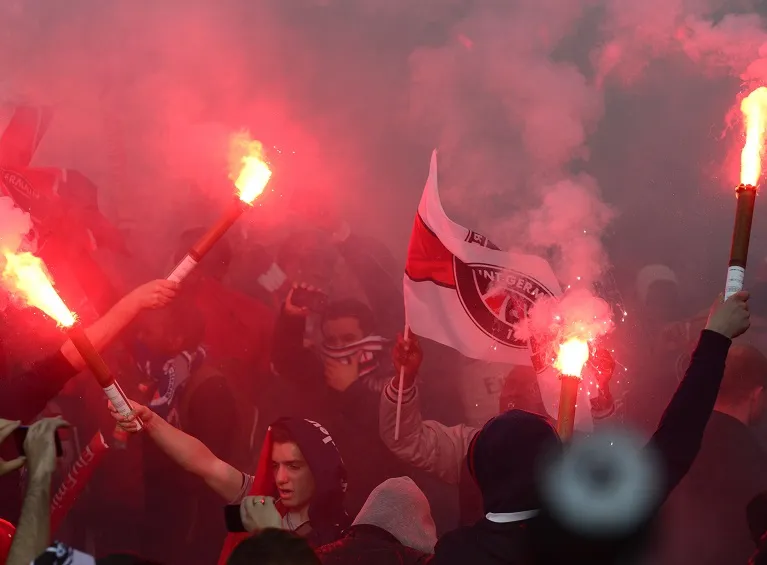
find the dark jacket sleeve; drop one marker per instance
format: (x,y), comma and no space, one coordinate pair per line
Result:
(24,396)
(383,293)
(290,359)
(680,432)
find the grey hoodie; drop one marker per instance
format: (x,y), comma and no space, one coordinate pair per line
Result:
(401,508)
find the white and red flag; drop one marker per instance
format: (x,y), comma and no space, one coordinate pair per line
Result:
(464,292)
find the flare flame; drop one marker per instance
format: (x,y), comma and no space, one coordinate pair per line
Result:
(25,276)
(754,109)
(248,167)
(572,356)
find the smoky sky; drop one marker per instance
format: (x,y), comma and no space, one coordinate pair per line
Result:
(591,131)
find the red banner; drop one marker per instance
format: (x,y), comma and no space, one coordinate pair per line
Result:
(78,477)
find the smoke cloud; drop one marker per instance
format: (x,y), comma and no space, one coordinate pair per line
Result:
(530,103)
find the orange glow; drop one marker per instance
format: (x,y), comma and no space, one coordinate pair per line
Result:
(754,108)
(572,356)
(25,276)
(248,167)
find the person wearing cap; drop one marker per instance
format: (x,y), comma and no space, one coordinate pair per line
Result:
(503,457)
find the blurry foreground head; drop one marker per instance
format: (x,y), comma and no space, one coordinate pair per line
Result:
(273,547)
(402,509)
(599,500)
(756,515)
(742,394)
(504,458)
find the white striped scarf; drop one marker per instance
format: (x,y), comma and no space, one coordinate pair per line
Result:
(368,346)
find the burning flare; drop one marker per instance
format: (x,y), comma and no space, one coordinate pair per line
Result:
(248,167)
(754,108)
(572,356)
(25,276)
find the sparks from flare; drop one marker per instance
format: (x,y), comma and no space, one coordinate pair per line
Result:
(754,109)
(248,167)
(572,356)
(25,276)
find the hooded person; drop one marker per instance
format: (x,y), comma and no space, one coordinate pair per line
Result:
(509,489)
(301,474)
(395,527)
(505,456)
(299,484)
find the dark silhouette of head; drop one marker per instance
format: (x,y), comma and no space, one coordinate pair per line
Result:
(273,547)
(504,459)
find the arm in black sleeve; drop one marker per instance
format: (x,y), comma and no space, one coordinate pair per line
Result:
(24,396)
(212,417)
(383,294)
(290,358)
(680,432)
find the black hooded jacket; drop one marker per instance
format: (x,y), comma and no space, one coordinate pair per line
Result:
(326,512)
(327,516)
(503,459)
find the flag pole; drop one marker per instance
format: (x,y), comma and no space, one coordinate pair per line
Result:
(399,389)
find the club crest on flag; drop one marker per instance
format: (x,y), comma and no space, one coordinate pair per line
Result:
(497,299)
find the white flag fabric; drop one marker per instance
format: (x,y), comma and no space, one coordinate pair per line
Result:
(463,292)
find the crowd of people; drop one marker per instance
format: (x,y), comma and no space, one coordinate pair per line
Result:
(263,423)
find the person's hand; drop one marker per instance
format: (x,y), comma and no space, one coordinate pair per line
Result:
(293,310)
(259,512)
(407,354)
(153,295)
(730,318)
(40,447)
(130,423)
(603,363)
(6,429)
(340,376)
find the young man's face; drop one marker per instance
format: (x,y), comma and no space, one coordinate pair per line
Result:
(292,475)
(341,332)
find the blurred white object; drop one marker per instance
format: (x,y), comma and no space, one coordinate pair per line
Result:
(603,486)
